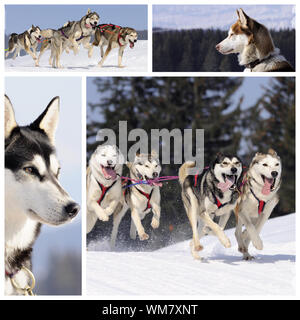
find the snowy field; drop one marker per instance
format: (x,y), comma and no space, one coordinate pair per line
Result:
(133,59)
(172,271)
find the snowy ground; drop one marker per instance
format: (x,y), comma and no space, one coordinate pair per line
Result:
(172,271)
(133,59)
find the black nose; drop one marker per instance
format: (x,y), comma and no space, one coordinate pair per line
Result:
(233,170)
(274,174)
(135,40)
(109,162)
(72,209)
(155,174)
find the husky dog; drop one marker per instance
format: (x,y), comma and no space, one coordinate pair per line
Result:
(258,199)
(104,189)
(27,41)
(211,193)
(254,46)
(71,35)
(33,194)
(141,198)
(114,36)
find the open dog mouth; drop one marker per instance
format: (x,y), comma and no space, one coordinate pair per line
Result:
(131,44)
(152,181)
(269,184)
(230,182)
(226,52)
(109,172)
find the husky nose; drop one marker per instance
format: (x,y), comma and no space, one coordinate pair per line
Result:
(155,174)
(72,209)
(274,174)
(233,170)
(109,162)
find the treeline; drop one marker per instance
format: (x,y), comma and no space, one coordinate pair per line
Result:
(196,103)
(194,50)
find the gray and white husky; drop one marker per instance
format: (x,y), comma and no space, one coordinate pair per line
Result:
(259,196)
(33,194)
(211,193)
(28,41)
(254,45)
(71,35)
(141,198)
(104,187)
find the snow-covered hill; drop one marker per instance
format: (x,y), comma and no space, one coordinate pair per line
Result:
(172,270)
(133,59)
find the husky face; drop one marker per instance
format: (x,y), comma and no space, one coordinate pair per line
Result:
(32,188)
(107,160)
(131,37)
(266,170)
(146,166)
(227,170)
(35,33)
(92,20)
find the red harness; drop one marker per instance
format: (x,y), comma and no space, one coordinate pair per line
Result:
(111,25)
(148,196)
(103,191)
(261,203)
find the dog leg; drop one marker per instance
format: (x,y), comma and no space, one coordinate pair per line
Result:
(17,52)
(108,49)
(45,45)
(91,220)
(120,56)
(101,51)
(118,216)
(132,230)
(216,229)
(138,224)
(156,215)
(242,247)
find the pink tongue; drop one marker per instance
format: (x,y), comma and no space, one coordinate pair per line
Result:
(224,186)
(109,173)
(131,45)
(267,186)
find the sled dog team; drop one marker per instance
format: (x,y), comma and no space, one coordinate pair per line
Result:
(217,191)
(70,36)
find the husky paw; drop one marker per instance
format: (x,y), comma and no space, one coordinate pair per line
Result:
(258,244)
(103,217)
(154,223)
(226,242)
(247,257)
(144,236)
(121,66)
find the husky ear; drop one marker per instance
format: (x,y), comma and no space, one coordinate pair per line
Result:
(9,121)
(129,164)
(48,120)
(243,17)
(272,152)
(154,154)
(89,11)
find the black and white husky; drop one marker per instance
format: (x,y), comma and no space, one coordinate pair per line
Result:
(141,198)
(211,193)
(259,196)
(33,194)
(104,189)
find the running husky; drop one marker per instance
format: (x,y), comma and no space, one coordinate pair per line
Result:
(141,198)
(258,199)
(114,36)
(27,41)
(104,189)
(33,194)
(71,35)
(212,193)
(254,46)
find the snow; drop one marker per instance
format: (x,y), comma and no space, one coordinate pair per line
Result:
(172,271)
(133,59)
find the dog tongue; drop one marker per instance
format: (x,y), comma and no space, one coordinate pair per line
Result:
(109,173)
(131,44)
(267,186)
(224,186)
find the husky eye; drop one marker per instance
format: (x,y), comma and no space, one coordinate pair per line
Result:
(31,170)
(147,166)
(140,164)
(265,164)
(277,164)
(225,163)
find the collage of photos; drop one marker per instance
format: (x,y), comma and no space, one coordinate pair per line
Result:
(141,157)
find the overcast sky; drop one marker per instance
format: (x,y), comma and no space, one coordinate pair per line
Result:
(19,18)
(221,16)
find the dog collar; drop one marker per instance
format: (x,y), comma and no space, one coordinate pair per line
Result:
(256,62)
(103,191)
(261,203)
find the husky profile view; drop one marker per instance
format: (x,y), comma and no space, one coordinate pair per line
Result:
(104,189)
(259,196)
(254,45)
(33,194)
(141,198)
(211,193)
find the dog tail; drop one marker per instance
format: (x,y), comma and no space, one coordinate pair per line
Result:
(183,171)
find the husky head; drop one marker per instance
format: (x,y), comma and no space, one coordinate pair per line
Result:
(91,19)
(266,170)
(35,33)
(32,189)
(107,163)
(227,169)
(130,36)
(247,36)
(145,166)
